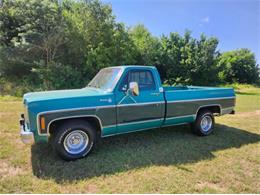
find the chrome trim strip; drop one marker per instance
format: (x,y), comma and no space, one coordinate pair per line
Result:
(141,104)
(191,88)
(195,115)
(209,105)
(132,99)
(145,121)
(119,133)
(76,116)
(174,124)
(122,100)
(109,126)
(122,105)
(76,109)
(138,122)
(125,98)
(176,117)
(228,108)
(84,108)
(67,110)
(95,107)
(202,99)
(140,130)
(134,122)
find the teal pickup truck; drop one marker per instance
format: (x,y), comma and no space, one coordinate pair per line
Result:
(118,100)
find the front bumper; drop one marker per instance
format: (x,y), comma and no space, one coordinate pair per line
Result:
(27,136)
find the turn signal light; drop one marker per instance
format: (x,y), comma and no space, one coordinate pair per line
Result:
(42,123)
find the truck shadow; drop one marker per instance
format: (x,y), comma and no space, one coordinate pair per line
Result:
(247,93)
(167,146)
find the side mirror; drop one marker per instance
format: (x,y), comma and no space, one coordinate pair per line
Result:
(134,89)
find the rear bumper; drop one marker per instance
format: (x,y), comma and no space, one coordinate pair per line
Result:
(228,110)
(27,136)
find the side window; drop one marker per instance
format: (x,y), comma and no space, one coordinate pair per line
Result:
(144,78)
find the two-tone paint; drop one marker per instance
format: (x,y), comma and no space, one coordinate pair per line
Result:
(117,112)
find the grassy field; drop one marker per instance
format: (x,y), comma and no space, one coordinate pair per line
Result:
(168,160)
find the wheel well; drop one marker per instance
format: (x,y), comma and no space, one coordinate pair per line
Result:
(91,119)
(214,109)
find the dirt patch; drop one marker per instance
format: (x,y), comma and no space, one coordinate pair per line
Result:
(214,186)
(254,113)
(7,170)
(91,188)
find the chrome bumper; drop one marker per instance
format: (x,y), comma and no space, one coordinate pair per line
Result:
(27,137)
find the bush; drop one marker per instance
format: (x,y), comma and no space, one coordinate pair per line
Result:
(48,45)
(238,66)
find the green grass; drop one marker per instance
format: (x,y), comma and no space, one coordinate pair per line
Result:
(168,160)
(8,98)
(249,98)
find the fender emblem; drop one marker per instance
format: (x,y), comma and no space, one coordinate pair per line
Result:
(106,100)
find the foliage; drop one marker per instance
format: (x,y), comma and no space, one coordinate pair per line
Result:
(53,44)
(187,60)
(36,38)
(238,66)
(243,87)
(147,46)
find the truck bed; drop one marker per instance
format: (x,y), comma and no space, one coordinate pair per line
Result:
(195,92)
(183,103)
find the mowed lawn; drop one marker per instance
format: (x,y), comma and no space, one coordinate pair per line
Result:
(168,160)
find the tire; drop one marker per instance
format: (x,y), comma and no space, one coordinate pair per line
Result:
(74,139)
(204,124)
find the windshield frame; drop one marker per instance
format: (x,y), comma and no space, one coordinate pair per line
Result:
(114,83)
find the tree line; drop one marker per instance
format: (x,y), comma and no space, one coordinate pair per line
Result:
(51,44)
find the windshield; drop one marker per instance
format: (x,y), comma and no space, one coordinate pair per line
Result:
(106,79)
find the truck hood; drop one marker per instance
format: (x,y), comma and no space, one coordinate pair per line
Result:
(61,94)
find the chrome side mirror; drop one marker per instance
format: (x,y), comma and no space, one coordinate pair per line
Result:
(133,88)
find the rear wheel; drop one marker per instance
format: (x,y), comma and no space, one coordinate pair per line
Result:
(204,123)
(74,139)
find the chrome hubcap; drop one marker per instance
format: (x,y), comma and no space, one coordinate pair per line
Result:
(206,123)
(76,142)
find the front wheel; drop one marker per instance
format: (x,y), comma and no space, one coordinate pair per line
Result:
(74,139)
(204,123)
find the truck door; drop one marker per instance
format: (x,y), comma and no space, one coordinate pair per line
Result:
(143,111)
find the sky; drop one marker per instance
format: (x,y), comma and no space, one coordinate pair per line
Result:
(236,23)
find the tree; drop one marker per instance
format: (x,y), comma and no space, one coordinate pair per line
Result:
(203,69)
(146,45)
(74,39)
(96,40)
(238,66)
(37,34)
(185,60)
(52,44)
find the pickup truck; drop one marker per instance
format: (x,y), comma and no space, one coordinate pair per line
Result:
(120,99)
